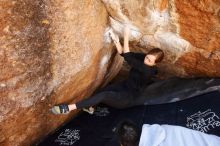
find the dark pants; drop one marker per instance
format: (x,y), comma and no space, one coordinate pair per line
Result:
(115,95)
(167,91)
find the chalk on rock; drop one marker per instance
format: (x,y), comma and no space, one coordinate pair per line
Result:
(107,38)
(118,27)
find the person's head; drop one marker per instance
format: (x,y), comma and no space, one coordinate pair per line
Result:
(153,57)
(128,134)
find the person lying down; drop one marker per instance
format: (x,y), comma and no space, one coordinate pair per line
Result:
(162,135)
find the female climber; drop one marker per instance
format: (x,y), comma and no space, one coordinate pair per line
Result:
(124,94)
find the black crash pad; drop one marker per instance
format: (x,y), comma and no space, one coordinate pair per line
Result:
(201,112)
(177,89)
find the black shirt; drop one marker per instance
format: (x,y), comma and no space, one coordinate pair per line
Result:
(140,74)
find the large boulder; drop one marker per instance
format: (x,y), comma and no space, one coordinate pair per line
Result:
(50,52)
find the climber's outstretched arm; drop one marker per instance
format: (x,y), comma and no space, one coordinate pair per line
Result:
(116,41)
(118,47)
(126,39)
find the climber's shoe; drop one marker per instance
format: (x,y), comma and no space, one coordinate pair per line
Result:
(60,109)
(89,110)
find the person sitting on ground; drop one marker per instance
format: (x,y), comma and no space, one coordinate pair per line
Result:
(162,135)
(123,94)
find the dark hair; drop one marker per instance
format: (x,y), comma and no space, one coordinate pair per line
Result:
(158,53)
(128,134)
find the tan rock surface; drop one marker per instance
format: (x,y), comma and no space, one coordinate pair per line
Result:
(50,52)
(188,31)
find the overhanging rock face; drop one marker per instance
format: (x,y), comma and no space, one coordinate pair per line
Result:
(54,51)
(188,31)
